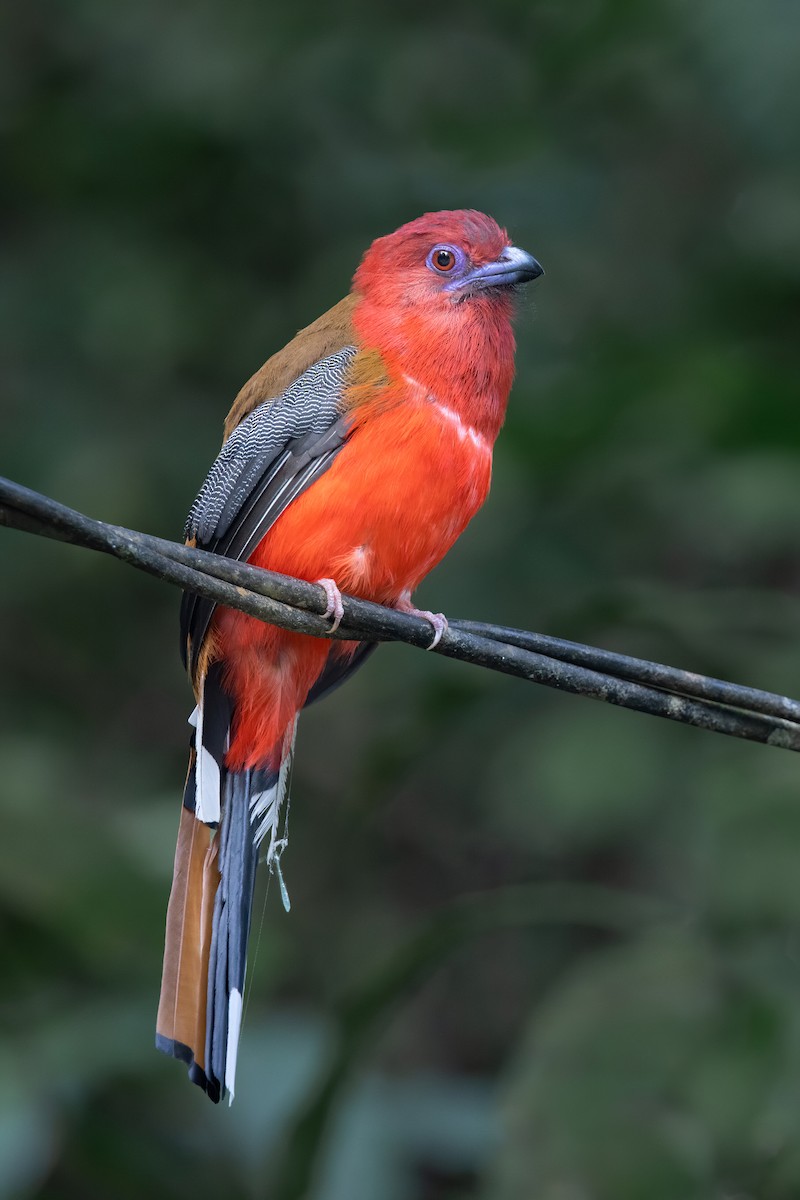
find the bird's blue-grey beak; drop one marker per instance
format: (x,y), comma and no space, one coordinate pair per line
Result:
(513,266)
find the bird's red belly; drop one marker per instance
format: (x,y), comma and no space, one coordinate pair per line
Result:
(385,512)
(388,508)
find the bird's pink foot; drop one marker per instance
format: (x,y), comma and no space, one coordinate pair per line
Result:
(334,607)
(437,620)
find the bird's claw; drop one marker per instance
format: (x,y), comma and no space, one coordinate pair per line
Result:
(334,607)
(439,623)
(437,620)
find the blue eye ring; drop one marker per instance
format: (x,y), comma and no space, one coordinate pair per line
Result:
(445,259)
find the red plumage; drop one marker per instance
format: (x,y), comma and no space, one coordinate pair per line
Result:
(422,399)
(410,477)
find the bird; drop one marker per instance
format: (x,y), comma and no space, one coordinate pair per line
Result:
(354,457)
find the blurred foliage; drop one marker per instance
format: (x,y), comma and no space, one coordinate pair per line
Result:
(183,186)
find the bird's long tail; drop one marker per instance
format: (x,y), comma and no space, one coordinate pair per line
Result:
(229,819)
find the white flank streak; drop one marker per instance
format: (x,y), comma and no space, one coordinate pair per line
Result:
(421,391)
(464,431)
(232,1047)
(206,776)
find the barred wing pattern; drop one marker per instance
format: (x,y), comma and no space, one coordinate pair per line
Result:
(277,451)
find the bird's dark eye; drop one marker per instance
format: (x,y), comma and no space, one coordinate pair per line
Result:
(443,259)
(446,260)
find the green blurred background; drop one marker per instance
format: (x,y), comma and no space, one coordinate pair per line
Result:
(185,185)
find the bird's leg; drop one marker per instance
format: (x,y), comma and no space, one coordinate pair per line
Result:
(437,620)
(334,607)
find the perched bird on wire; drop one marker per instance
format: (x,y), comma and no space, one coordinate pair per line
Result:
(355,457)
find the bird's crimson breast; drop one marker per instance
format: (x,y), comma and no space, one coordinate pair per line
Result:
(390,506)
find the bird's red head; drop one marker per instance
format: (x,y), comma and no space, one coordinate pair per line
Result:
(435,298)
(444,257)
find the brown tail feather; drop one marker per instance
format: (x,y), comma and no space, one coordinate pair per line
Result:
(181,1023)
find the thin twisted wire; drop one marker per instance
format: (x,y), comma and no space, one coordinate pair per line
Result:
(653,688)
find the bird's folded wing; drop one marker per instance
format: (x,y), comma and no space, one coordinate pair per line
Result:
(277,451)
